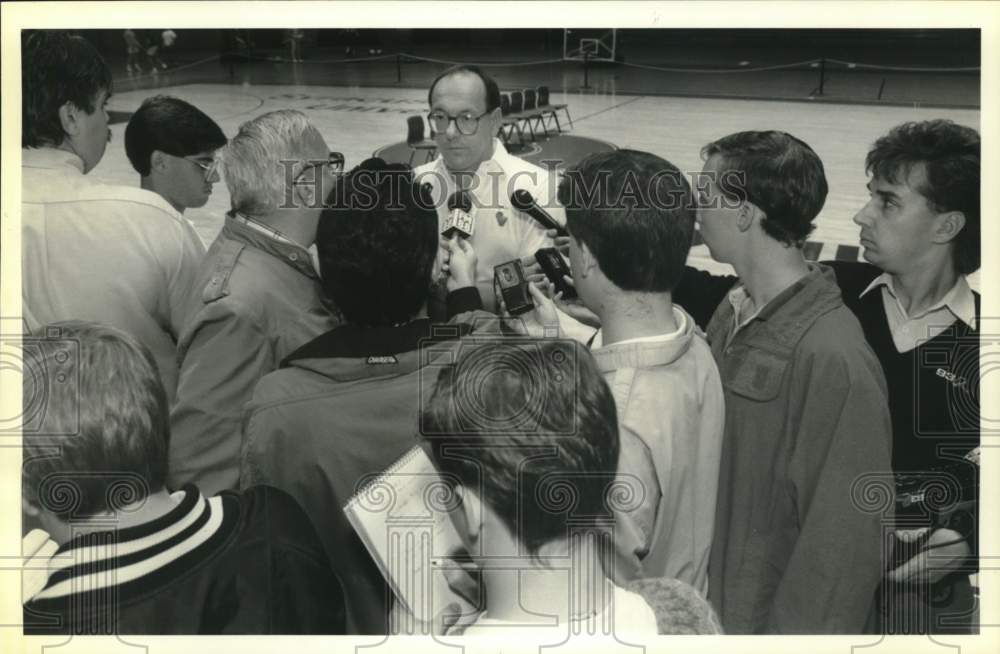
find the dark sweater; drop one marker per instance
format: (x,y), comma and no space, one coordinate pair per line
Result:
(935,417)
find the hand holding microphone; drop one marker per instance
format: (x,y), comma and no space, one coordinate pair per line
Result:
(461,265)
(525,202)
(460,220)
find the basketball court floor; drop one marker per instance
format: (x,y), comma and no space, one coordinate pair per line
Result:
(359,120)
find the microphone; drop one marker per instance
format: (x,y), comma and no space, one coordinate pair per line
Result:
(524,201)
(460,220)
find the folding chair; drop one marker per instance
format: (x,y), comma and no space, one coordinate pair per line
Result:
(508,124)
(415,139)
(531,113)
(543,104)
(517,109)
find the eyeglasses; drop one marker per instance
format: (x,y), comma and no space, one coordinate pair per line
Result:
(334,164)
(208,167)
(466,122)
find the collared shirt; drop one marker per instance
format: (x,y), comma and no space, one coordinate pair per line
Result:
(260,300)
(669,403)
(910,331)
(274,234)
(260,228)
(742,303)
(113,254)
(501,232)
(679,316)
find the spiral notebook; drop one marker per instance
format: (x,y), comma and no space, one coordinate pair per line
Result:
(403,517)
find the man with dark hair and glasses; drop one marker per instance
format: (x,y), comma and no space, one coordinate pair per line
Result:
(93,251)
(464,119)
(260,293)
(172,145)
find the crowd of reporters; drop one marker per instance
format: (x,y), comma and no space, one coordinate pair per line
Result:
(244,392)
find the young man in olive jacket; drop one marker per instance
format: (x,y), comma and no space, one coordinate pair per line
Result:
(806,413)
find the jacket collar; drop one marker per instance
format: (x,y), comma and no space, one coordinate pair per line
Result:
(798,307)
(353,342)
(51,158)
(293,254)
(137,558)
(645,354)
(754,366)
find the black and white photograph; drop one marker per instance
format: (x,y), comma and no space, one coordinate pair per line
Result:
(504,325)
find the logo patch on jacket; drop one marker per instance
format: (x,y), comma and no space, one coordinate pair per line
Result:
(501,218)
(381,360)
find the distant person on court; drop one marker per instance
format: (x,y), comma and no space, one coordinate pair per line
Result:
(346,404)
(133,52)
(133,557)
(627,252)
(92,251)
(152,46)
(172,145)
(260,296)
(167,39)
(512,472)
(464,119)
(806,411)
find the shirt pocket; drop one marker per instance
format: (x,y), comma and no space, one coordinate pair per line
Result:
(753,372)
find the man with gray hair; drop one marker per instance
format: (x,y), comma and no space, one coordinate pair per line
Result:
(260,297)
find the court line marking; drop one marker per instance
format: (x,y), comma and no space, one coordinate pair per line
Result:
(606,109)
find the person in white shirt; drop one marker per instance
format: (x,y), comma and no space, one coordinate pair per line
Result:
(627,249)
(465,118)
(93,251)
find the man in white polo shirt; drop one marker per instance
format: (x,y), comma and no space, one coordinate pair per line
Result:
(464,118)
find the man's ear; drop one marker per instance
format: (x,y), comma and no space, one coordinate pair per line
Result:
(496,116)
(470,513)
(69,118)
(306,190)
(157,161)
(947,226)
(587,259)
(746,214)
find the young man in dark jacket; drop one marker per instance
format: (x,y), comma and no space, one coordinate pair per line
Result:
(134,558)
(921,236)
(346,405)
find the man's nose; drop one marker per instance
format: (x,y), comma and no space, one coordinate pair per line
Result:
(861,217)
(452,130)
(213,176)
